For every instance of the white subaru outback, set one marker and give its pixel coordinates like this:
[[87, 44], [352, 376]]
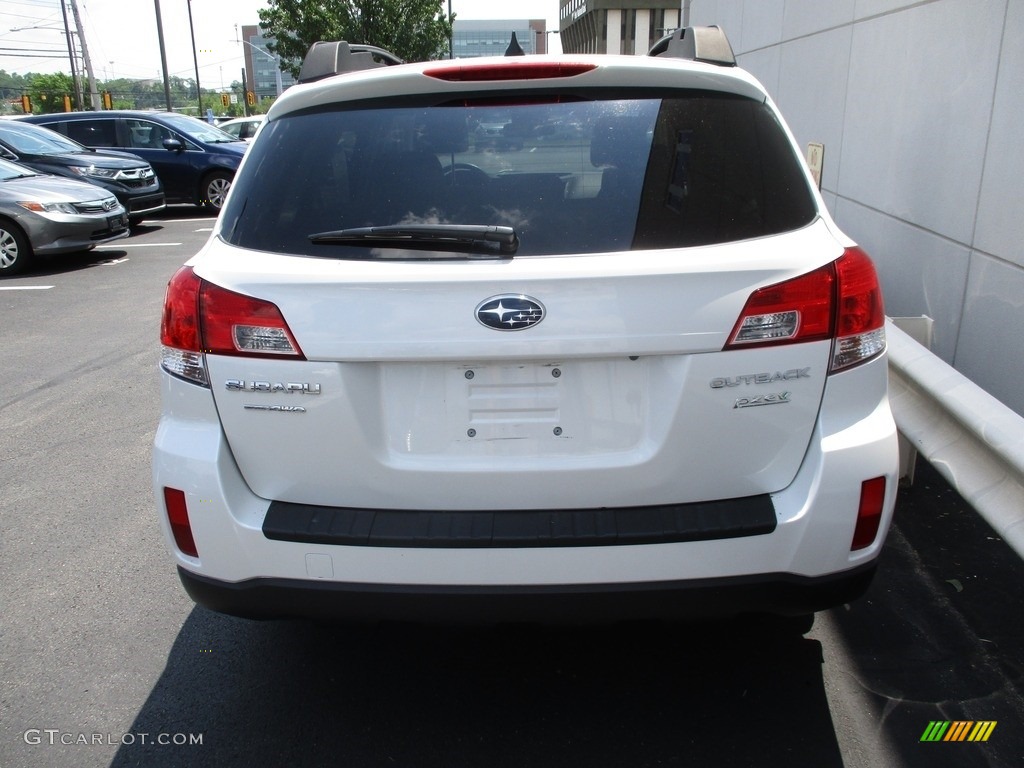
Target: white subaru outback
[[540, 338]]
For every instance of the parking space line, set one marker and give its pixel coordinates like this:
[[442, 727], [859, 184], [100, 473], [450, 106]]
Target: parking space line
[[25, 287], [133, 245]]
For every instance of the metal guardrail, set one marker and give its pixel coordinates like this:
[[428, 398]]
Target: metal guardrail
[[973, 440]]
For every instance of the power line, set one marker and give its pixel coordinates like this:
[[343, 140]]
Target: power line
[[34, 50]]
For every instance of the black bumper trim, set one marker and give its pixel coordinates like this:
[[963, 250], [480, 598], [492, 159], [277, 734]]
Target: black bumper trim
[[779, 594], [137, 210], [669, 523]]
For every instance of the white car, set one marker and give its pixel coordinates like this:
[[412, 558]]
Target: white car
[[627, 368], [243, 128]]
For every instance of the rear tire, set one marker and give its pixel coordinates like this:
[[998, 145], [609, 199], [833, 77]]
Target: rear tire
[[15, 251], [215, 189]]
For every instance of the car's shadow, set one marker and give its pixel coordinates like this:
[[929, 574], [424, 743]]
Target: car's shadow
[[146, 227], [282, 693], [43, 266], [69, 262], [178, 211]]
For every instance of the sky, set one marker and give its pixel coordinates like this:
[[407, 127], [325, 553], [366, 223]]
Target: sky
[[122, 39]]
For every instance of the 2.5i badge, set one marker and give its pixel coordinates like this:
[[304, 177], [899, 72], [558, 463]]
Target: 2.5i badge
[[776, 398]]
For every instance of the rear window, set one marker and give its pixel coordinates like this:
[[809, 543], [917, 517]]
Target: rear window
[[92, 133], [579, 176]]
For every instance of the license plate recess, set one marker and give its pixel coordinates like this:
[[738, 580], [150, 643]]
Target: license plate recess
[[508, 401]]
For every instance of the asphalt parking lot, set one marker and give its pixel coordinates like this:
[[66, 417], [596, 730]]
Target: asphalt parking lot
[[98, 640]]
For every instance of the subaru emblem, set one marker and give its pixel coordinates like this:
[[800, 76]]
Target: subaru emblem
[[509, 312]]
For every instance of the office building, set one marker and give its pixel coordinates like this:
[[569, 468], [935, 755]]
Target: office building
[[263, 76], [490, 38], [615, 26]]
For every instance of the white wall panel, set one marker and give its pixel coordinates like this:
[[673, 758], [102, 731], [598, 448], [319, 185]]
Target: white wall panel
[[727, 14], [991, 344], [805, 17], [1000, 227], [813, 98], [918, 106], [762, 24], [868, 8]]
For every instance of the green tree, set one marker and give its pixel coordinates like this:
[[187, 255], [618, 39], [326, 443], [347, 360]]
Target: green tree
[[48, 92], [415, 30]]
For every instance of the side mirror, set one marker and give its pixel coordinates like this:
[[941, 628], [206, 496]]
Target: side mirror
[[173, 145]]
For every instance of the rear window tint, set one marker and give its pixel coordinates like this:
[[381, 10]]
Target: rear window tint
[[571, 177], [92, 133]]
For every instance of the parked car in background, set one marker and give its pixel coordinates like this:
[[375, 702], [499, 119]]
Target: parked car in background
[[626, 366], [130, 179], [43, 215], [243, 127], [195, 161]]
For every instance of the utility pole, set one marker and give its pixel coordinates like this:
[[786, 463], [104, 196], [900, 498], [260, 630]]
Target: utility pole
[[94, 96], [71, 56], [245, 94], [163, 55], [195, 59]]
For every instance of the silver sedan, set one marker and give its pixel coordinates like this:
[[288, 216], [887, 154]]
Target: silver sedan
[[49, 215]]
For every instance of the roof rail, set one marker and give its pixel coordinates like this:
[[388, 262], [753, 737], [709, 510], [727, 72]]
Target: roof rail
[[706, 44], [324, 59]]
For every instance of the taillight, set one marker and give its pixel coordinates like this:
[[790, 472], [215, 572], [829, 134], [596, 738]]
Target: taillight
[[840, 301], [869, 513], [860, 321], [796, 310], [234, 324], [201, 317], [523, 70], [181, 352], [177, 516]]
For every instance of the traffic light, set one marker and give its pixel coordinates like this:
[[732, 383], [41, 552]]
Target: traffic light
[[225, 100], [250, 98], [108, 100], [67, 103], [26, 104]]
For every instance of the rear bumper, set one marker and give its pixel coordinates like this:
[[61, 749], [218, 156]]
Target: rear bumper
[[779, 594], [331, 562]]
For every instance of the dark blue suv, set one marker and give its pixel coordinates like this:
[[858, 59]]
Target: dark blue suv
[[195, 161]]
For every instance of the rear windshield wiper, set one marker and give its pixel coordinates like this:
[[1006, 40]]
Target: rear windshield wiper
[[500, 242]]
